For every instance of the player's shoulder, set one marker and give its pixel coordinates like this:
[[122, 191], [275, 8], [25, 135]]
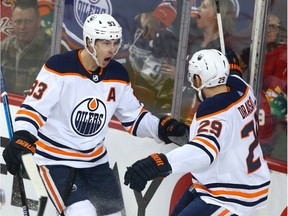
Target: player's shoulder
[[220, 103], [214, 105], [236, 83], [115, 71], [63, 63]]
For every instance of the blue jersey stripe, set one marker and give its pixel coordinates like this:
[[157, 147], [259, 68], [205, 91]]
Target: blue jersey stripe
[[204, 149], [212, 138]]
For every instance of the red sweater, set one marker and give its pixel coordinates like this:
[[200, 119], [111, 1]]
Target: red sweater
[[275, 69]]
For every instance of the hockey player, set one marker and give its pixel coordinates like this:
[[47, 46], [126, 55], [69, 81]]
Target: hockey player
[[64, 121], [223, 154]]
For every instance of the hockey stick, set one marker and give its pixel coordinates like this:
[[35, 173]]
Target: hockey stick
[[220, 27], [10, 131], [28, 162], [180, 140], [36, 180]]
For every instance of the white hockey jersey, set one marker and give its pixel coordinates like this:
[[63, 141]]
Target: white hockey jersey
[[224, 155], [69, 108]]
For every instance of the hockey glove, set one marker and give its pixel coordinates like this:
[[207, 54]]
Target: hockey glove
[[169, 127], [155, 165], [233, 62], [22, 143]]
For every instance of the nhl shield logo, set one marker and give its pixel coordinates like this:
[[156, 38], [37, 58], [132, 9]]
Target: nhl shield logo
[[84, 8], [95, 78], [89, 117]]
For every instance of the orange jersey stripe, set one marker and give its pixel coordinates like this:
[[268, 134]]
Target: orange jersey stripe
[[208, 144], [32, 115], [119, 81], [79, 56], [57, 202], [84, 77], [70, 43], [232, 193], [73, 154], [64, 74], [131, 128], [223, 213]]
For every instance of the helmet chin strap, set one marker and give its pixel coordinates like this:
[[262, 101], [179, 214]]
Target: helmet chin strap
[[93, 55], [199, 91], [200, 96]]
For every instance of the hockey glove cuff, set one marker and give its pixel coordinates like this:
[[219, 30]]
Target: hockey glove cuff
[[22, 143], [233, 62], [171, 127], [155, 165]]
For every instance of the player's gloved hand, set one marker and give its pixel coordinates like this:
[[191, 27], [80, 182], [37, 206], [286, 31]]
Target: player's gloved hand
[[155, 165], [233, 62], [171, 127], [22, 143]]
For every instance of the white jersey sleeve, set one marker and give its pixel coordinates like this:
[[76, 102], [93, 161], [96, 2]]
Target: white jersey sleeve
[[135, 118], [39, 102], [223, 154]]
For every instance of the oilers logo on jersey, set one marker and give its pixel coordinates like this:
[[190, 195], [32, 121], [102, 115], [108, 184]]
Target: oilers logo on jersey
[[89, 116], [84, 8]]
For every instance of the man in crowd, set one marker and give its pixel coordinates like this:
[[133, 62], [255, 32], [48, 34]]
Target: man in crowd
[[24, 53]]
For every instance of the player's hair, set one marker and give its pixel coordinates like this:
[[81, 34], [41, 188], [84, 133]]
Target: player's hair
[[228, 15], [24, 4]]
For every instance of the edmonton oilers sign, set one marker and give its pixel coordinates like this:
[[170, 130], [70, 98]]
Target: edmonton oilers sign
[[84, 8]]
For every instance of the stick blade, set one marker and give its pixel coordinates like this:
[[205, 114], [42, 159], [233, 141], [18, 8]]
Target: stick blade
[[180, 140], [36, 180]]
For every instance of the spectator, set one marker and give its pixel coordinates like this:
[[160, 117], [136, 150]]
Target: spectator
[[273, 96], [273, 107], [153, 64], [24, 53], [275, 68], [153, 56], [161, 18], [156, 62], [204, 33]]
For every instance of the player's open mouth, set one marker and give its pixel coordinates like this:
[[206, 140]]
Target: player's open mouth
[[107, 59]]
